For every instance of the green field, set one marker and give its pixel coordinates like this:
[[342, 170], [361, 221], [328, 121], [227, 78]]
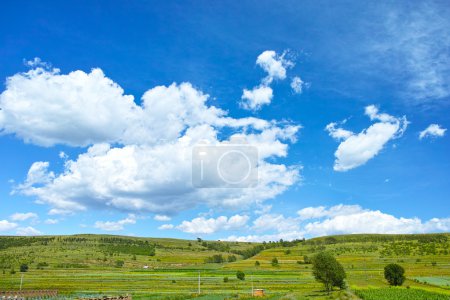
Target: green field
[[112, 265]]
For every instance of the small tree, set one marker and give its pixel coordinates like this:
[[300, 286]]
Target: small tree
[[274, 262], [232, 258], [257, 264], [306, 259], [23, 268], [394, 274], [240, 275], [329, 271], [225, 279], [119, 263]]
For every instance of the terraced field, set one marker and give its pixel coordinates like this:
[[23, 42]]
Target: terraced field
[[170, 268]]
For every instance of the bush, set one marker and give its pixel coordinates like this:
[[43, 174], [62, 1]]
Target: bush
[[119, 263], [394, 274], [306, 259], [232, 258], [240, 275], [329, 271], [23, 268], [257, 264], [215, 259], [225, 279], [41, 265], [274, 262]]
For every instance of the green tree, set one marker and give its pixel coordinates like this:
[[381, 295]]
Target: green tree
[[232, 258], [274, 262], [306, 259], [257, 264], [119, 263], [23, 268], [225, 279], [328, 270], [240, 275], [394, 274]]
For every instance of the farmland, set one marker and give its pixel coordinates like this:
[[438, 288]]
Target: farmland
[[152, 268]]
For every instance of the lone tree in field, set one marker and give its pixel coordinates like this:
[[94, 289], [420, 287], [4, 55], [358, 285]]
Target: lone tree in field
[[329, 271], [240, 275], [23, 268], [394, 274], [274, 262]]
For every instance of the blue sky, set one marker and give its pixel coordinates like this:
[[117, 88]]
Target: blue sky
[[346, 102]]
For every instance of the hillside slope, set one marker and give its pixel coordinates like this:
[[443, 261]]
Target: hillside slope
[[91, 264]]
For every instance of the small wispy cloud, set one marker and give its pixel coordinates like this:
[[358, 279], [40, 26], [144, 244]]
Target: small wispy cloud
[[434, 130]]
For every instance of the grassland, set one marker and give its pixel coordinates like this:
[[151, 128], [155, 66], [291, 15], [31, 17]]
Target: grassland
[[100, 264]]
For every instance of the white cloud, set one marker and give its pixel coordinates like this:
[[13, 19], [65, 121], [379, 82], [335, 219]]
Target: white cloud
[[166, 227], [51, 221], [161, 218], [27, 231], [309, 213], [156, 176], [23, 216], [434, 130], [373, 222], [338, 133], [338, 219], [115, 225], [297, 85], [415, 43], [356, 149], [149, 167], [6, 225], [278, 223], [202, 225], [275, 65], [45, 107], [257, 97]]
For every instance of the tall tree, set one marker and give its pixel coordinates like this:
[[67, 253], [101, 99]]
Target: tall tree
[[394, 274], [329, 271]]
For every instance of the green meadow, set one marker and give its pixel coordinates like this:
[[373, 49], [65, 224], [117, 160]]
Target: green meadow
[[150, 268]]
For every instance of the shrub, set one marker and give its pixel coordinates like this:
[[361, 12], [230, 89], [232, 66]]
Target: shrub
[[287, 252], [216, 259], [225, 279], [240, 275], [394, 274], [232, 258], [119, 263], [257, 264], [274, 262], [23, 268], [306, 259]]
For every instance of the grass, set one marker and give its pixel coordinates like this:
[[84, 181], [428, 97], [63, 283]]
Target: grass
[[87, 265]]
